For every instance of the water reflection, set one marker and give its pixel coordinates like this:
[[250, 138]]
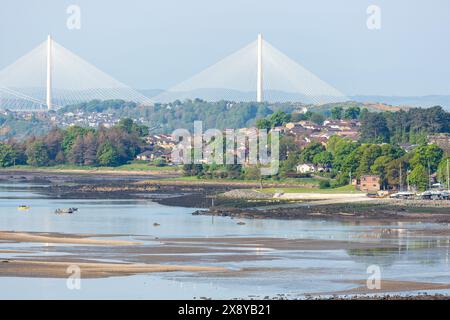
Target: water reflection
[[411, 251]]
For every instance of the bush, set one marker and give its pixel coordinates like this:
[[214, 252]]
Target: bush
[[159, 162], [324, 184]]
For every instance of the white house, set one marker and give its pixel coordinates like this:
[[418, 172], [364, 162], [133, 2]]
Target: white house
[[306, 168]]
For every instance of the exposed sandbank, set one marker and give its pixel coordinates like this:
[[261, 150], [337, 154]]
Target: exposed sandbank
[[59, 238]]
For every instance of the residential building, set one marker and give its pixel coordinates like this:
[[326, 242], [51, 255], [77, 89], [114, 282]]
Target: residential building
[[367, 183]]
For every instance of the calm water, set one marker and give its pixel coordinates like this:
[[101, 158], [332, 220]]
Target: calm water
[[416, 258]]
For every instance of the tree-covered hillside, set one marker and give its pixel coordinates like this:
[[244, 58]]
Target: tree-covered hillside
[[182, 114]]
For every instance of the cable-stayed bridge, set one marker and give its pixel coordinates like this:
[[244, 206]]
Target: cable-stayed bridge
[[50, 76], [257, 72]]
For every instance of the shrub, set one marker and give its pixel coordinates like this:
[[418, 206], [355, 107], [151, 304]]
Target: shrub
[[324, 184]]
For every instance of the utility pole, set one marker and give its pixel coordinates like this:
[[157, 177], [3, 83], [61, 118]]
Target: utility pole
[[429, 175], [407, 180], [448, 176]]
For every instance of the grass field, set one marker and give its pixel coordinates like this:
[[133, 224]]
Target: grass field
[[305, 184], [287, 185], [127, 167], [343, 189]]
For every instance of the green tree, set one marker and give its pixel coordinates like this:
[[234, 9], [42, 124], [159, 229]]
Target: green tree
[[70, 135], [368, 154], [427, 155], [108, 155], [342, 150], [379, 167], [287, 146], [442, 172], [279, 118], [324, 159], [263, 124], [419, 177], [37, 154], [352, 113], [313, 149], [317, 118], [7, 155], [126, 125], [374, 128], [289, 165], [337, 113]]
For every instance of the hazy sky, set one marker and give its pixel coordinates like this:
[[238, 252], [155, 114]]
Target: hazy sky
[[156, 44]]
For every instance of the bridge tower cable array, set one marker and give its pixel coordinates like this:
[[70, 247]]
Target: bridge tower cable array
[[257, 72], [50, 77]]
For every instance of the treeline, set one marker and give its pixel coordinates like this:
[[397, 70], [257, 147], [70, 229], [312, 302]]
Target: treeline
[[79, 146], [100, 106], [280, 117], [412, 126], [164, 118], [341, 160], [19, 128]]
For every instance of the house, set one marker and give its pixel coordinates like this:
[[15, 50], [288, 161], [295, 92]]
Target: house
[[292, 125], [306, 168], [310, 125], [163, 141], [350, 134], [367, 183], [145, 156], [152, 155]]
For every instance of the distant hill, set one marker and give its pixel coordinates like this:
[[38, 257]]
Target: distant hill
[[371, 106], [233, 95], [218, 94], [422, 101]]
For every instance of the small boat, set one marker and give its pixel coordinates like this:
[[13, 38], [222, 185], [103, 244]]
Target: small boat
[[240, 223], [23, 208], [156, 224], [64, 211]]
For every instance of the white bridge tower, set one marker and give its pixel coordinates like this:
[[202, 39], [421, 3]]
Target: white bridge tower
[[49, 72], [259, 82]]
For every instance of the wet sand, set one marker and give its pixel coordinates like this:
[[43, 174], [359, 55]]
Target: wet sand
[[50, 269], [9, 236], [149, 255], [264, 243], [199, 256]]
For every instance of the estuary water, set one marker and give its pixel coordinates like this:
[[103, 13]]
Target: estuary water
[[409, 255]]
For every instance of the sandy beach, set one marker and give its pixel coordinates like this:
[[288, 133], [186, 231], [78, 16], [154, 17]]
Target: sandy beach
[[59, 238]]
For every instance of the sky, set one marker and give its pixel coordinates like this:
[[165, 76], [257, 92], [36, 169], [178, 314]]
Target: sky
[[151, 44]]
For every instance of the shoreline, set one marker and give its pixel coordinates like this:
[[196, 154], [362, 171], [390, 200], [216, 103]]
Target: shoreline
[[234, 199]]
